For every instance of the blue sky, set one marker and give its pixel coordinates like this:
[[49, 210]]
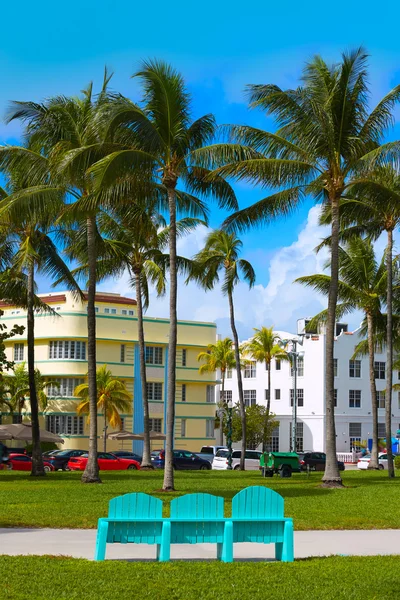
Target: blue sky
[[219, 47]]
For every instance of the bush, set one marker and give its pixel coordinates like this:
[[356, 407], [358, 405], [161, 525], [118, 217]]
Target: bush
[[45, 446], [397, 462]]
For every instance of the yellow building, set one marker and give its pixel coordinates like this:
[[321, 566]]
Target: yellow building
[[61, 353]]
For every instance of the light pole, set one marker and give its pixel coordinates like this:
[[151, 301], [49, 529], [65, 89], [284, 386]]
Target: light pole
[[229, 435], [294, 355]]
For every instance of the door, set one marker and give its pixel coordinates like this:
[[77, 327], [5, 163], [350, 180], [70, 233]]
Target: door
[[185, 460], [252, 459], [22, 463], [108, 462]]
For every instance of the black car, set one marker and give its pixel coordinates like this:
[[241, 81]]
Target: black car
[[315, 461], [60, 460], [127, 454], [182, 459]]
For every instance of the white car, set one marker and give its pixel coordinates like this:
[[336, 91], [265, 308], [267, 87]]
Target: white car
[[251, 460], [364, 461]]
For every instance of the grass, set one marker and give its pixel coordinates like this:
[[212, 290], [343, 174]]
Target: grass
[[350, 578], [60, 500]]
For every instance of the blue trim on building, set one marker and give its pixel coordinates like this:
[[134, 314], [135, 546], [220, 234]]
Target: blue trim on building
[[165, 390], [138, 420]]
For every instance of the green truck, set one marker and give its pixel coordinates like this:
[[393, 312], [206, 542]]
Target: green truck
[[283, 463]]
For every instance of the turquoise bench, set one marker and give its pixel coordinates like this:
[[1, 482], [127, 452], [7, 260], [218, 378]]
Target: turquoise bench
[[257, 516]]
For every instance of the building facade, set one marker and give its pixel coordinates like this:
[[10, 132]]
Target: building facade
[[352, 391], [61, 355]]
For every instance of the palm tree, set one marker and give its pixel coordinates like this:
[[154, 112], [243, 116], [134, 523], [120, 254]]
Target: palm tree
[[218, 356], [361, 286], [263, 347], [112, 399], [326, 138], [17, 389], [161, 148], [67, 134], [221, 253]]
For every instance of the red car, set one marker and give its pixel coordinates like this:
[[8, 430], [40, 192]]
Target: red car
[[22, 462], [106, 461]]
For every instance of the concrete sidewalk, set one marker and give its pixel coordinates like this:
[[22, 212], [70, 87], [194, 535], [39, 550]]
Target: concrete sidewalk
[[80, 543]]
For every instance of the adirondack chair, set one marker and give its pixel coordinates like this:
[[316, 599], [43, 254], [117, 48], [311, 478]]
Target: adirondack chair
[[197, 519], [134, 518], [258, 516]]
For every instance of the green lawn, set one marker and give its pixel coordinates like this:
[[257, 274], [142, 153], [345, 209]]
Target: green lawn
[[351, 578], [370, 500]]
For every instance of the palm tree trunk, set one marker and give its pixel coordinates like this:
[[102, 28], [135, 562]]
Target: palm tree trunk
[[331, 476], [389, 353], [168, 484], [146, 459], [373, 463], [37, 458], [239, 378], [105, 431], [222, 405], [91, 472]]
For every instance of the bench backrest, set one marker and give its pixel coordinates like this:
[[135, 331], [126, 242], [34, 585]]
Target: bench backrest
[[197, 507], [257, 502], [131, 506]]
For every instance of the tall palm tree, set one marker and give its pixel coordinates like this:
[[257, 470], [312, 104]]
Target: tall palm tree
[[66, 133], [219, 356], [112, 399], [371, 207], [17, 388], [162, 149], [221, 254], [326, 138], [362, 286]]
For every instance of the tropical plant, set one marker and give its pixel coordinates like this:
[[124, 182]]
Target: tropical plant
[[112, 399], [16, 387], [259, 425], [219, 356], [161, 148], [221, 254], [326, 139], [362, 286]]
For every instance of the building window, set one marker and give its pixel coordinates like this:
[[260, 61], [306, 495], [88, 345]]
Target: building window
[[355, 398], [228, 396], [229, 373], [250, 397], [335, 398], [183, 392], [380, 370], [124, 311], [209, 428], [277, 364], [299, 437], [154, 390], [277, 394], [65, 388], [154, 355], [267, 394], [210, 394], [16, 419], [122, 355], [300, 397], [380, 399], [96, 309], [155, 425], [67, 424], [300, 368], [67, 350], [18, 352], [355, 436], [335, 367], [272, 444], [184, 357], [131, 313], [381, 430], [398, 400], [355, 368], [107, 311], [250, 370], [183, 427], [113, 311]]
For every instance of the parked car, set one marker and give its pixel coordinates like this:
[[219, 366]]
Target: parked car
[[60, 459], [127, 454], [251, 460], [22, 462], [208, 452], [106, 462], [183, 460], [315, 461], [51, 452], [363, 462]]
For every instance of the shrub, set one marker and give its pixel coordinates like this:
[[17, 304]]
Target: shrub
[[397, 462]]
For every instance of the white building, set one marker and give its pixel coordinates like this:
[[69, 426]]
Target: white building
[[353, 398]]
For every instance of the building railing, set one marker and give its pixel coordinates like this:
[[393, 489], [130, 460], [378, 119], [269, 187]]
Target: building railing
[[347, 457]]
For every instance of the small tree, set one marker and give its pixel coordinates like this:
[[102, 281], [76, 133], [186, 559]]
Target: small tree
[[260, 425]]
